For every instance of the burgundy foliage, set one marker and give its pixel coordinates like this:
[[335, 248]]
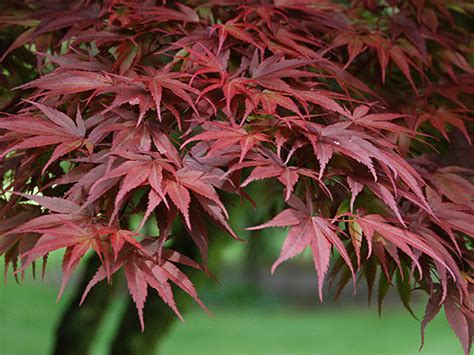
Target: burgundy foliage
[[169, 108]]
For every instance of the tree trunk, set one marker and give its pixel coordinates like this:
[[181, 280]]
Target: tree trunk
[[129, 340], [79, 325], [158, 320], [252, 260]]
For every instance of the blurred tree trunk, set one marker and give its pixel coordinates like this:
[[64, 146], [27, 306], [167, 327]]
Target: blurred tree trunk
[[257, 248], [78, 326], [159, 318], [252, 261], [129, 340]]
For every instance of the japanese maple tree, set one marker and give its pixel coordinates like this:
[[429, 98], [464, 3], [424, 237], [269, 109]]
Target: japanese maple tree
[[168, 108]]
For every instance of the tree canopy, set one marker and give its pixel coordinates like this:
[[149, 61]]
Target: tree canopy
[[355, 109]]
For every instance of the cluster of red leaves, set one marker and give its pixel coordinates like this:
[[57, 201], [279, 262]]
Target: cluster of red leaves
[[166, 108]]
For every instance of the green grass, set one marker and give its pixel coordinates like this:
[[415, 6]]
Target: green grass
[[28, 316], [344, 331]]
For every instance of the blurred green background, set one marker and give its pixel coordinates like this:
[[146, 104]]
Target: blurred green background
[[280, 316]]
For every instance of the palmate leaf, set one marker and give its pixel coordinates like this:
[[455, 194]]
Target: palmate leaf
[[238, 31], [377, 122], [458, 316], [273, 166], [440, 118], [167, 185], [182, 14], [69, 82], [226, 136], [286, 175], [141, 271], [61, 132], [307, 230], [453, 186], [77, 240], [460, 322], [376, 226], [170, 82]]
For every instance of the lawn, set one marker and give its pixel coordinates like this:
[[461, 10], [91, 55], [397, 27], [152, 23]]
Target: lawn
[[28, 314]]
